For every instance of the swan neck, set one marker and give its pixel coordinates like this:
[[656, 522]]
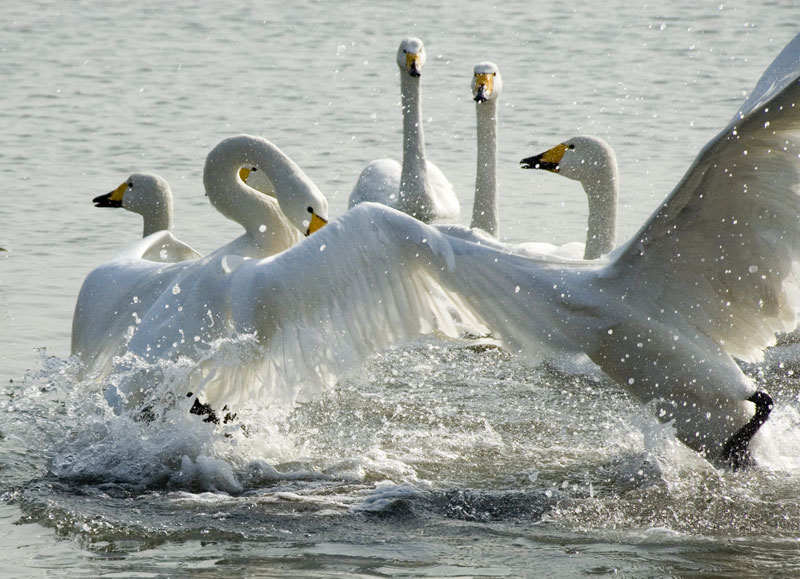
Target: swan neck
[[265, 224], [158, 218], [484, 206], [414, 195], [601, 191]]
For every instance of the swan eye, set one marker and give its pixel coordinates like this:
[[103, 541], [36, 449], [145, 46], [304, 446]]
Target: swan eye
[[253, 169], [572, 146], [130, 184], [311, 210]]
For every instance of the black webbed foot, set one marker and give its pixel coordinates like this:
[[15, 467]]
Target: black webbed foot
[[202, 409], [736, 453]]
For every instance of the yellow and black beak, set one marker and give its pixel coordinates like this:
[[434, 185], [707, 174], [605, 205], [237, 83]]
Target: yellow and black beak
[[244, 173], [113, 199], [413, 64], [484, 85], [315, 224], [550, 160]]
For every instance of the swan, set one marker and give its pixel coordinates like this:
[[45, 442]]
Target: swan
[[151, 197], [98, 323], [710, 278], [487, 84], [116, 296], [272, 223], [418, 187], [592, 162]]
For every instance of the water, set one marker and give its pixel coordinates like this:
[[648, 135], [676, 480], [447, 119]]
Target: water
[[434, 459]]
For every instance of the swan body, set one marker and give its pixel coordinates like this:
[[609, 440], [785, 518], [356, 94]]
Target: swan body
[[114, 296], [417, 187], [117, 297], [357, 285], [592, 162], [487, 85]]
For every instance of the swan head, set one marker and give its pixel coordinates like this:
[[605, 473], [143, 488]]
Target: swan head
[[314, 202], [411, 56], [580, 158], [487, 84], [307, 208], [141, 193], [146, 194]]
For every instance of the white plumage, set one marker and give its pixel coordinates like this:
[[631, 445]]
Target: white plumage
[[590, 161], [709, 278], [116, 297], [417, 187]]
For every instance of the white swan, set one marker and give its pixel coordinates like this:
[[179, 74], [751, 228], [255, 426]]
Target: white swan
[[116, 296], [592, 162], [487, 84], [710, 277], [99, 323], [417, 187], [272, 224], [150, 196]]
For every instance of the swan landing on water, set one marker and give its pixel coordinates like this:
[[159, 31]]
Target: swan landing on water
[[711, 277]]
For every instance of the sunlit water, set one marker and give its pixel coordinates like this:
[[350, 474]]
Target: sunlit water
[[435, 459]]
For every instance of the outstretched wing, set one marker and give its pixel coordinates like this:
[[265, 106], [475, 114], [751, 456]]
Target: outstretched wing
[[721, 253], [362, 283]]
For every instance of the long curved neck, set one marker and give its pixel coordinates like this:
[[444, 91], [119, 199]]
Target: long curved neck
[[267, 228], [157, 217], [414, 195], [484, 206], [602, 192]]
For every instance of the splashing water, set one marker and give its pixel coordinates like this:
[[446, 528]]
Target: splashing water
[[439, 434]]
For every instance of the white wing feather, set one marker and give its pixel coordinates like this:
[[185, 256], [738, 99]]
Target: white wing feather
[[722, 251], [116, 295], [362, 283]]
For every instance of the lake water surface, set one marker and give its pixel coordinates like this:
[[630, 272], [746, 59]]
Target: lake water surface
[[434, 460]]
